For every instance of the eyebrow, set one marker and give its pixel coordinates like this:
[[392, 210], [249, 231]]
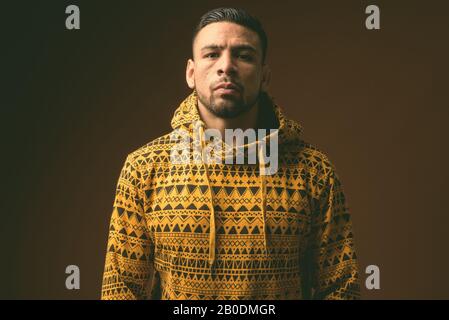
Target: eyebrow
[[234, 48]]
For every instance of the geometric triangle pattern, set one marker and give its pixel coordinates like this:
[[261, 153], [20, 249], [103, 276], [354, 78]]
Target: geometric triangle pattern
[[159, 237]]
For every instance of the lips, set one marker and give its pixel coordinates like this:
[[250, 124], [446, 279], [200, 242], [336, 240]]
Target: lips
[[227, 87]]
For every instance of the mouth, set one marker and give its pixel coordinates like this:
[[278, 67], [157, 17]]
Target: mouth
[[228, 88]]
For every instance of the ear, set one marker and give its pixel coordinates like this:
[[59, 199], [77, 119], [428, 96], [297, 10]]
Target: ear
[[190, 74], [266, 76]]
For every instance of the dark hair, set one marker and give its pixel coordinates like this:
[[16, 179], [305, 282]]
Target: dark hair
[[238, 16]]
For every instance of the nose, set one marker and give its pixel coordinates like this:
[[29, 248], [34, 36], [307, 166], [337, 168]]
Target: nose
[[226, 65]]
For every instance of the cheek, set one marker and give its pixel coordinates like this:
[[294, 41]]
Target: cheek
[[202, 77], [253, 82]]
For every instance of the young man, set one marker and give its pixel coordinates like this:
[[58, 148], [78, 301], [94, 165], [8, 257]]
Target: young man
[[186, 228]]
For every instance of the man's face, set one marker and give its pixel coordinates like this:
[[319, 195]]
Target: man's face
[[227, 69]]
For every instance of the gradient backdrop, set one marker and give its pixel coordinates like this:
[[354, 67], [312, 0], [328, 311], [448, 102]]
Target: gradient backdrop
[[75, 103]]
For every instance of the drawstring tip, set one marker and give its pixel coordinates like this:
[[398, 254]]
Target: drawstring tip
[[211, 259], [211, 263]]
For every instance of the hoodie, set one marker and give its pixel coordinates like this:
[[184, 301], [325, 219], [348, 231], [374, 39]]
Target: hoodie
[[186, 227]]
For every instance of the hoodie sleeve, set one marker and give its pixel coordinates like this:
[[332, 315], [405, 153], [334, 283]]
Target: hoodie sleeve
[[334, 268], [128, 266]]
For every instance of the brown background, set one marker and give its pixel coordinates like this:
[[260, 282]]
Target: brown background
[[77, 102]]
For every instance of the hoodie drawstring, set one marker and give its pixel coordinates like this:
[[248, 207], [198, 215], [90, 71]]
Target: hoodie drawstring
[[212, 229], [263, 197]]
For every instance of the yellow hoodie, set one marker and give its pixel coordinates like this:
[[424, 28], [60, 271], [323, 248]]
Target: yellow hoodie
[[200, 230]]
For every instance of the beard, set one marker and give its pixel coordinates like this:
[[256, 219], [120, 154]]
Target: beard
[[226, 106]]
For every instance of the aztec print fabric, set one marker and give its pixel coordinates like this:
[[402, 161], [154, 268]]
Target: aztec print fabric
[[225, 231]]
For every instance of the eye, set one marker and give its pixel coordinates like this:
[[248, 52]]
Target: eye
[[246, 57], [211, 55]]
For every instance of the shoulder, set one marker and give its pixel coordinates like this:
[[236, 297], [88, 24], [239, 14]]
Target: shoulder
[[310, 158], [317, 158], [320, 170], [153, 152]]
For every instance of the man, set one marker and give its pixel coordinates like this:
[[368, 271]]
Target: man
[[196, 229]]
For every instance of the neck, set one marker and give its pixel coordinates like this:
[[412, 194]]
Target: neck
[[244, 121], [258, 117]]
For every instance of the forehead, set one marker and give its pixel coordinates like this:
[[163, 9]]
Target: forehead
[[224, 33]]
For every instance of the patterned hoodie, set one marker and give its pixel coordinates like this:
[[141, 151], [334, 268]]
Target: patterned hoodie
[[186, 228]]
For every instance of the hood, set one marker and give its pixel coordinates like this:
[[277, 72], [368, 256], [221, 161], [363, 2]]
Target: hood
[[187, 118]]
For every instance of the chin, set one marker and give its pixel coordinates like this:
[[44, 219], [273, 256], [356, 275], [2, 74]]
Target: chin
[[228, 100], [228, 105]]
